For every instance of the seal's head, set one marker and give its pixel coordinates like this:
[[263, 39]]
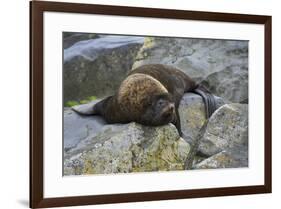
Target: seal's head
[[160, 111]]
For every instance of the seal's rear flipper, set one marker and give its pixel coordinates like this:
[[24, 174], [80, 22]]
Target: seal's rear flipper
[[86, 109], [208, 98]]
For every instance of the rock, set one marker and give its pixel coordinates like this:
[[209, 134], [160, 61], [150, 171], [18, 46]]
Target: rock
[[128, 148], [192, 114], [226, 138], [226, 128], [235, 158], [70, 38], [203, 60], [78, 127], [230, 83], [96, 67]]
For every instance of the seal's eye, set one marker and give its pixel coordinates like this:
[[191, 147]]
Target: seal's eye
[[161, 103], [149, 104]]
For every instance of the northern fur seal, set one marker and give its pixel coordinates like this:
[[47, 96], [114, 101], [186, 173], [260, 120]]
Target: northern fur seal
[[150, 95]]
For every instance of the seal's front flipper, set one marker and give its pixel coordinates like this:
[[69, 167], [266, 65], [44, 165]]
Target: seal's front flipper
[[86, 109]]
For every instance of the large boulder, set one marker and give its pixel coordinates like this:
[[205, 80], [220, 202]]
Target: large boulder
[[226, 128], [230, 83], [96, 67], [221, 64], [128, 148], [225, 140]]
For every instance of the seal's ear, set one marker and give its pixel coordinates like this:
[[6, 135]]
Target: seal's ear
[[85, 109]]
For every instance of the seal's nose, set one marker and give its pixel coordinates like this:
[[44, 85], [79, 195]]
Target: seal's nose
[[169, 111], [171, 107]]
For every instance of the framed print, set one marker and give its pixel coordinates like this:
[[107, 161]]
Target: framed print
[[138, 104]]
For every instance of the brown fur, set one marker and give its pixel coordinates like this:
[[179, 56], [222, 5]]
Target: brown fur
[[133, 97], [150, 95], [174, 80]]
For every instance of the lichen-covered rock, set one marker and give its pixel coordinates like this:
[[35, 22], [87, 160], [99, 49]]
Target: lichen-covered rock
[[128, 148], [232, 158], [203, 60], [226, 138], [96, 67], [227, 128], [192, 114]]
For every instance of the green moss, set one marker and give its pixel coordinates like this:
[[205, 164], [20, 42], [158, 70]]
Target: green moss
[[92, 98], [84, 101], [89, 99], [71, 103]]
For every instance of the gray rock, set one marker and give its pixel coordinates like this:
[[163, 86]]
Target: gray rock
[[201, 58], [78, 127], [70, 38], [96, 67], [128, 148], [226, 128], [192, 114], [235, 158], [226, 137], [230, 83]]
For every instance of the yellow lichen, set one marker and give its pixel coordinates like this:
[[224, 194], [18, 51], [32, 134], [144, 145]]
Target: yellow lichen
[[88, 168], [149, 42]]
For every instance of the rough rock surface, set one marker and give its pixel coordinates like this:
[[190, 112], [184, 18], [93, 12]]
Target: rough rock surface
[[78, 127], [226, 128], [225, 141], [70, 38], [91, 146], [221, 64], [225, 159], [96, 67], [192, 114], [230, 83], [128, 148]]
